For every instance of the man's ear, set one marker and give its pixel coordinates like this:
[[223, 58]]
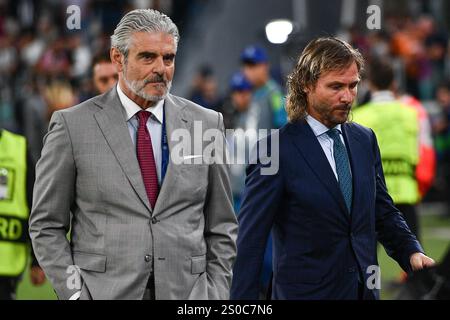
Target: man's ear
[[117, 59], [307, 89], [310, 88]]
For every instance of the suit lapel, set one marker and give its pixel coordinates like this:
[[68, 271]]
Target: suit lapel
[[176, 117], [112, 122], [306, 142], [356, 155]]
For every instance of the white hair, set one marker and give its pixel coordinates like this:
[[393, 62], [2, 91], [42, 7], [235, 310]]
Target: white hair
[[147, 20]]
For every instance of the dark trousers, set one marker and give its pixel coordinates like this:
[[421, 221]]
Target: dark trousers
[[8, 287], [409, 212]]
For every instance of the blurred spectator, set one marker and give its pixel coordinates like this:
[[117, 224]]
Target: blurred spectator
[[267, 95], [356, 38], [241, 113], [235, 111], [236, 105], [55, 60], [8, 64], [31, 48], [379, 44], [16, 186], [267, 112], [39, 108], [407, 46], [164, 6], [80, 56], [426, 166], [104, 74], [8, 56], [58, 95], [34, 118], [204, 91], [397, 128], [441, 126], [109, 13], [435, 42], [441, 130], [422, 46]]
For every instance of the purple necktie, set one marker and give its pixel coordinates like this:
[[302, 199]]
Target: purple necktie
[[146, 158]]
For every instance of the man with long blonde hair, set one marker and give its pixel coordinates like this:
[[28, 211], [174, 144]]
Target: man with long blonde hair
[[327, 205]]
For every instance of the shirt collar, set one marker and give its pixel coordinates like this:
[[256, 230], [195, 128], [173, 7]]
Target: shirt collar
[[382, 96], [132, 107], [318, 127]]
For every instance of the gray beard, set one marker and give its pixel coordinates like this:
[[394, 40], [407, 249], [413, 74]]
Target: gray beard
[[137, 87]]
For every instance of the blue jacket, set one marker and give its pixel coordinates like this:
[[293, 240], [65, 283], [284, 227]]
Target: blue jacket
[[321, 251]]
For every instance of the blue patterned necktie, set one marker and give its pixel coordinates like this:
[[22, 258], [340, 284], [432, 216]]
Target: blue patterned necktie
[[342, 167]]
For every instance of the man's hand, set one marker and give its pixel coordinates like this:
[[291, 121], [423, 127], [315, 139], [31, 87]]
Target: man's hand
[[419, 261], [37, 276]]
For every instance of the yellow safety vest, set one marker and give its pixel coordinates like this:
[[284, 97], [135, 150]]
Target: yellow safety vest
[[13, 205], [397, 130]]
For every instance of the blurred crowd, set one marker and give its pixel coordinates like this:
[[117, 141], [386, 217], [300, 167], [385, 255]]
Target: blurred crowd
[[418, 50], [44, 67]]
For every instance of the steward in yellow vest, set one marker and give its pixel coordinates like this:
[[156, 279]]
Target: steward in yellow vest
[[397, 129], [396, 126], [14, 211]]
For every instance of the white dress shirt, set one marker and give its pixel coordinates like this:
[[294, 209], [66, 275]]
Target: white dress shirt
[[154, 125], [320, 130]]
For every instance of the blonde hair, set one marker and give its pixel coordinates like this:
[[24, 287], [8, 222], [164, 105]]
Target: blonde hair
[[58, 95], [320, 56]]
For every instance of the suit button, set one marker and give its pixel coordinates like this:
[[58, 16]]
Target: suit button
[[154, 220], [148, 258], [351, 235], [351, 270]]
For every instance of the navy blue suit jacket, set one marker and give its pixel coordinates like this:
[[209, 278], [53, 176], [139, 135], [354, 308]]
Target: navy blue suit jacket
[[321, 251]]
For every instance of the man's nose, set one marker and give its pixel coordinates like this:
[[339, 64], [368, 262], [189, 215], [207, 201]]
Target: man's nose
[[347, 96], [158, 66]]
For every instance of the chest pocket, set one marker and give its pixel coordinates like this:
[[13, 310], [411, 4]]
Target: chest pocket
[[192, 180]]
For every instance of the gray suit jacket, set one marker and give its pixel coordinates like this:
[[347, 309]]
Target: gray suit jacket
[[88, 180]]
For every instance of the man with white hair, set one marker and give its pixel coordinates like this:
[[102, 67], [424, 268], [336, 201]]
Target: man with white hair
[[143, 226]]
